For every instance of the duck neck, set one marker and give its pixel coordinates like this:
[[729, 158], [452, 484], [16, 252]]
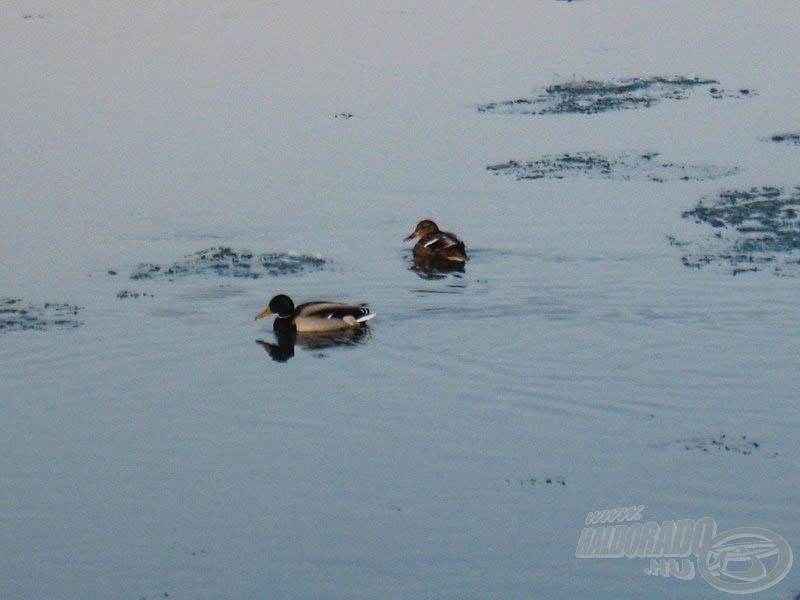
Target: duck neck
[[283, 323]]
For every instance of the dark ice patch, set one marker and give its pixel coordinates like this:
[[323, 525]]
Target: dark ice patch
[[225, 262], [589, 96], [627, 167], [16, 315], [752, 229]]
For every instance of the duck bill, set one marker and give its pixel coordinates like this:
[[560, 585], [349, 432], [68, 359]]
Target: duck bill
[[411, 236], [263, 313]]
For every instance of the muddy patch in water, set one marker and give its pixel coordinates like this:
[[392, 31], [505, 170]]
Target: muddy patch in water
[[589, 96], [17, 315], [226, 262], [647, 166], [785, 138], [751, 230]]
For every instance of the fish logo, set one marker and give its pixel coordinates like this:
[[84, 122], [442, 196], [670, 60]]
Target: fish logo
[[745, 560]]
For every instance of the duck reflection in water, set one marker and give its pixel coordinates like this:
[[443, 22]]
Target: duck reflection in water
[[283, 348], [431, 268]]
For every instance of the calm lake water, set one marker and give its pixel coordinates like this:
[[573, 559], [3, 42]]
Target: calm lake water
[[151, 447]]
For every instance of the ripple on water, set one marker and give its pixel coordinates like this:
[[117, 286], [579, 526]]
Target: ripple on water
[[212, 293]]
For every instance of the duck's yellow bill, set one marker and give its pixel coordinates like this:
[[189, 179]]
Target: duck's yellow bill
[[263, 313]]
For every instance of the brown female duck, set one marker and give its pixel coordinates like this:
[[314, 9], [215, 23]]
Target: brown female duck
[[437, 245]]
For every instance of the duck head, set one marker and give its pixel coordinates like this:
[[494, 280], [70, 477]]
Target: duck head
[[423, 228], [280, 305]]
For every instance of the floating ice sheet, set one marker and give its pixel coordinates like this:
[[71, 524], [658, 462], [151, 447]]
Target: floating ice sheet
[[589, 96], [646, 166], [226, 262], [752, 229], [17, 315]]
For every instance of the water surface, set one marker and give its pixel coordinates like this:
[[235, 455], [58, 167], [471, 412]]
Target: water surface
[[156, 448]]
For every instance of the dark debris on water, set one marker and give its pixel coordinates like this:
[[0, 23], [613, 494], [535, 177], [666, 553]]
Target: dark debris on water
[[737, 444], [590, 96], [751, 229], [123, 294], [17, 315], [645, 166], [226, 262], [786, 138], [556, 481]]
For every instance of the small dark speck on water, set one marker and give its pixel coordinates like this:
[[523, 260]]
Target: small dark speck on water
[[533, 481]]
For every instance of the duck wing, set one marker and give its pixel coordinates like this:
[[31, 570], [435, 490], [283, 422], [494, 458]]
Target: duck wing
[[444, 244], [329, 316], [437, 242], [331, 310]]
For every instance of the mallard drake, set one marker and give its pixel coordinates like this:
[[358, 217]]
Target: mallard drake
[[434, 244], [314, 316]]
